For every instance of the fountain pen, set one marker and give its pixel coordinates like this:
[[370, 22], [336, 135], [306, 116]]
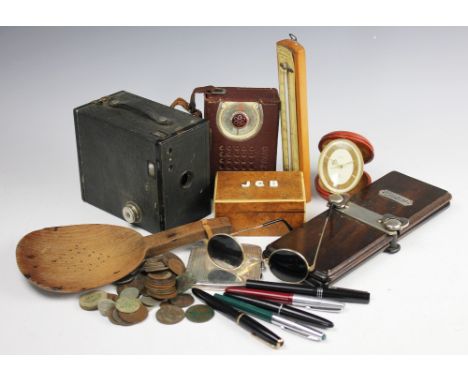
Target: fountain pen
[[242, 319], [340, 294], [269, 316], [280, 309], [288, 298]]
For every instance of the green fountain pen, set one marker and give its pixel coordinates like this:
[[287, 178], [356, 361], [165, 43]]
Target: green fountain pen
[[266, 315]]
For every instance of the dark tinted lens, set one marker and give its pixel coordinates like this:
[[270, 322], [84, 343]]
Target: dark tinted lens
[[225, 251], [288, 266]]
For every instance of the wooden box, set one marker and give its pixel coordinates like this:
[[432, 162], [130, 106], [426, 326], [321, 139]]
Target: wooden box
[[250, 198]]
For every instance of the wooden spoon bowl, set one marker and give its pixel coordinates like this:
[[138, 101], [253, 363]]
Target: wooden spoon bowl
[[75, 258]]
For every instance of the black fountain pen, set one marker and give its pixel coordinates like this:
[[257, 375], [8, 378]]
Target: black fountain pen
[[240, 318], [341, 294]]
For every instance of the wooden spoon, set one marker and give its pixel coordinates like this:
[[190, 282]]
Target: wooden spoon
[[75, 258]]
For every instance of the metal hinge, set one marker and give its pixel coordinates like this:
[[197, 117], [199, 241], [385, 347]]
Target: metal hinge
[[387, 223]]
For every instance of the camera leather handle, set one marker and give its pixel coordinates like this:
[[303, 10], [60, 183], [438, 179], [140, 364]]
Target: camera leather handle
[[191, 106], [140, 110]]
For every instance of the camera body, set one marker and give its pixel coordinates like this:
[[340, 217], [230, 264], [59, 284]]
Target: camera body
[[143, 161]]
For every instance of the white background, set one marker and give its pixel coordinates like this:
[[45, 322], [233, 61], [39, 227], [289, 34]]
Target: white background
[[403, 88]]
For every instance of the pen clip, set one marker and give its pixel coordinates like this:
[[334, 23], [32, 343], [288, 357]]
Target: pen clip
[[321, 309]]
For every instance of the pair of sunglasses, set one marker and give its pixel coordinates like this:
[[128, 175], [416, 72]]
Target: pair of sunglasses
[[228, 254]]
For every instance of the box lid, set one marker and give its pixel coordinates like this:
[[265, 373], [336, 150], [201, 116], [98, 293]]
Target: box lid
[[260, 190]]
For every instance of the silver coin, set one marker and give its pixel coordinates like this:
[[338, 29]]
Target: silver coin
[[130, 277], [149, 301], [130, 292], [105, 306]]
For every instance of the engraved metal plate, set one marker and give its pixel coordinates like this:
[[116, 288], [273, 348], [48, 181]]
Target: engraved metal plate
[[207, 274], [404, 201], [239, 121]]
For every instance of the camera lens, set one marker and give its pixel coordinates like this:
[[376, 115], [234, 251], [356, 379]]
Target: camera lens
[[288, 265], [225, 251]]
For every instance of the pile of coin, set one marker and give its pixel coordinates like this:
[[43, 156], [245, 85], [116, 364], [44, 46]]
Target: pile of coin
[[124, 309], [161, 285], [161, 272], [155, 283]]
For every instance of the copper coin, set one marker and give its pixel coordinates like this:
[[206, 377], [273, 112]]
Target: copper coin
[[155, 266], [162, 293], [164, 296], [155, 269], [164, 303], [168, 255], [153, 258], [112, 296], [182, 300], [165, 275], [164, 288], [176, 265], [199, 313], [110, 316], [156, 289], [166, 284], [151, 291], [135, 317], [170, 314], [115, 319]]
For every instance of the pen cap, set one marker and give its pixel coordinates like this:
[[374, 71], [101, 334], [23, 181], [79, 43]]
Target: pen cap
[[348, 295]]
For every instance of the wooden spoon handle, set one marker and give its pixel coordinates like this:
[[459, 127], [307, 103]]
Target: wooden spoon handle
[[185, 234]]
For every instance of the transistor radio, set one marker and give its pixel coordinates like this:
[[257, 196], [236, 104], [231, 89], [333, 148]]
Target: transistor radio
[[244, 127]]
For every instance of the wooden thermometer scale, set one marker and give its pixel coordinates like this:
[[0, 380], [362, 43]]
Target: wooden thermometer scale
[[293, 96]]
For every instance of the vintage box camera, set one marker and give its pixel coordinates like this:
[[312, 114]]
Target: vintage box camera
[[244, 127], [143, 161]]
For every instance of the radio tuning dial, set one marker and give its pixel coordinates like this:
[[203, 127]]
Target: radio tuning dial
[[239, 120]]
